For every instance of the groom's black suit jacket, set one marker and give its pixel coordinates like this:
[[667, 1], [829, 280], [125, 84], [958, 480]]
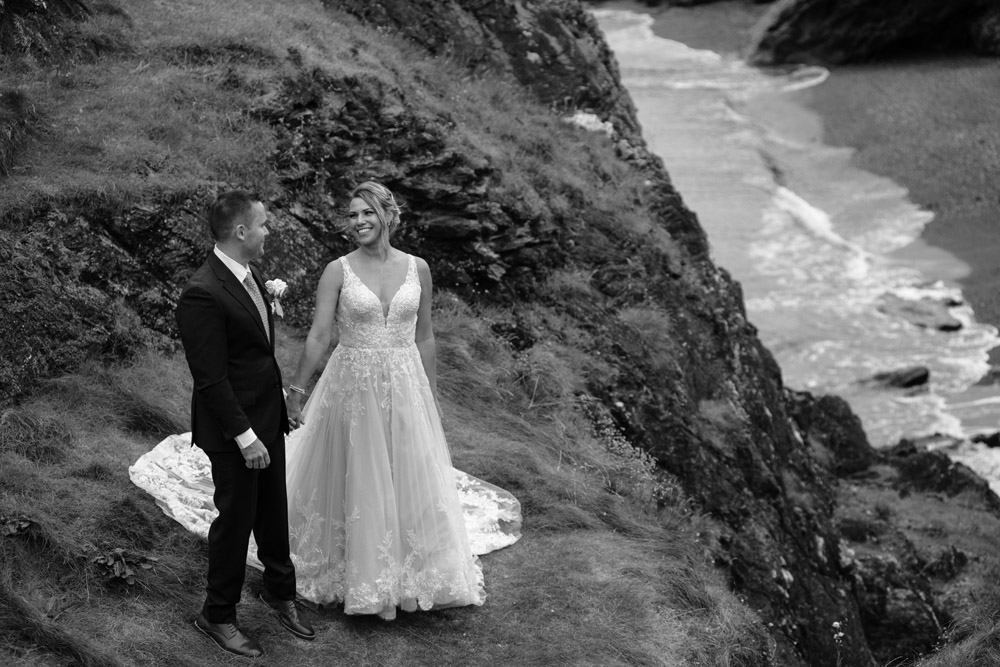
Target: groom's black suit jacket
[[237, 385], [237, 382]]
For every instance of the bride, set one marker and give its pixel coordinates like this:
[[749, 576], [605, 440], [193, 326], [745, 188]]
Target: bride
[[378, 517]]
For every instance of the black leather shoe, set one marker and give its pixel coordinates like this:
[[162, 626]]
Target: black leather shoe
[[288, 614], [229, 638]]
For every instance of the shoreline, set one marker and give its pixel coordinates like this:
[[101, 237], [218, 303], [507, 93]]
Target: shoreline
[[928, 124], [723, 26]]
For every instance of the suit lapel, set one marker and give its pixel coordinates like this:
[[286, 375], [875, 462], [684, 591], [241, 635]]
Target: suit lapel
[[236, 290]]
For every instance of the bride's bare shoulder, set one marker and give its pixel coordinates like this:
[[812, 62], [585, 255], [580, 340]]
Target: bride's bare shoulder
[[334, 272]]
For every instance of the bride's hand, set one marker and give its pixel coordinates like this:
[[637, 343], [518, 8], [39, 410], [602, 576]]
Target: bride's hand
[[294, 405]]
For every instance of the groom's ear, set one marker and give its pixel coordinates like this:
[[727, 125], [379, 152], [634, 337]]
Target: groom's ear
[[240, 231]]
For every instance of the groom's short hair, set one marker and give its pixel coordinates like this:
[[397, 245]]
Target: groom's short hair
[[228, 209]]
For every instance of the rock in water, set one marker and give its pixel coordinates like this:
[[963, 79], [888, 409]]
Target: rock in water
[[927, 312], [904, 378], [991, 440]]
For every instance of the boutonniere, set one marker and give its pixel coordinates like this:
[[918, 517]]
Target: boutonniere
[[276, 289]]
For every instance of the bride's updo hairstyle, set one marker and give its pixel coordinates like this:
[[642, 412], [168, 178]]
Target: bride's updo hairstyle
[[382, 201]]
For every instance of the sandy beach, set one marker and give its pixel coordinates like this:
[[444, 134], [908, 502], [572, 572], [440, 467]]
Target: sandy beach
[[723, 27], [928, 124], [931, 126]]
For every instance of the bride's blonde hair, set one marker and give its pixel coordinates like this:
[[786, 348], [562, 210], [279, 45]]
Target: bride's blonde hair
[[382, 201]]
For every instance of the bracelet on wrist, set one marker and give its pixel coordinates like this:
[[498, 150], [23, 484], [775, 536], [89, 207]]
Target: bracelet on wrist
[[297, 390]]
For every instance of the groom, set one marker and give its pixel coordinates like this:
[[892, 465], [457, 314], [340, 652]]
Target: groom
[[238, 417]]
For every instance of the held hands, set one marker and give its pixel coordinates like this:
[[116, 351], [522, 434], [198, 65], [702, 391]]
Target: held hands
[[256, 455], [294, 405]]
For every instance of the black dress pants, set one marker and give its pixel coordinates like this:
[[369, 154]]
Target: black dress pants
[[248, 501]]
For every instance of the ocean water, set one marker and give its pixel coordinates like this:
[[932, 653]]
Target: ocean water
[[816, 243]]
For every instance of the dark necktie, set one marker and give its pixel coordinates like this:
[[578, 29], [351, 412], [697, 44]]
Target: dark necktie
[[251, 286]]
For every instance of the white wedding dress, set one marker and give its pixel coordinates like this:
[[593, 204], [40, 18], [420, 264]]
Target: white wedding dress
[[378, 517]]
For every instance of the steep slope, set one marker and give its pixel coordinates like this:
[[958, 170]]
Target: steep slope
[[571, 246]]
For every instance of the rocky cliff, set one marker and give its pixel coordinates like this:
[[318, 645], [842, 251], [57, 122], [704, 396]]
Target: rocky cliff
[[574, 243], [839, 31]]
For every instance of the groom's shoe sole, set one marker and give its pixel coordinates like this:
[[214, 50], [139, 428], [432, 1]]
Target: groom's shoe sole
[[252, 651]]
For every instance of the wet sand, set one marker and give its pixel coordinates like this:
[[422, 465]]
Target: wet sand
[[931, 125]]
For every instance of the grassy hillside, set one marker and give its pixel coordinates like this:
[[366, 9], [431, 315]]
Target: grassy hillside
[[602, 576], [152, 107]]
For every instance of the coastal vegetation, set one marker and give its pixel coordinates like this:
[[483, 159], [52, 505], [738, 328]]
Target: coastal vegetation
[[681, 506]]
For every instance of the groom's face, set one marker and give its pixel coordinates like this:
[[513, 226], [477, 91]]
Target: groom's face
[[254, 231]]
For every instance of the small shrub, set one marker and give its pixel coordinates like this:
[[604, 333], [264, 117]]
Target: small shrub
[[544, 378], [119, 565], [656, 331], [723, 415], [632, 472], [16, 117], [16, 526]]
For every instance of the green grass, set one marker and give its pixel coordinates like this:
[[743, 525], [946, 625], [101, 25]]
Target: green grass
[[602, 576], [150, 115]]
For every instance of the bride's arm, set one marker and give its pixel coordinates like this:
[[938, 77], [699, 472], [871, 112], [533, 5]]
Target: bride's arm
[[425, 329], [320, 334]]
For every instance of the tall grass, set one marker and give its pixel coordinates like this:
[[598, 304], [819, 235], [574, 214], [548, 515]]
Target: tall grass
[[601, 576], [974, 637]]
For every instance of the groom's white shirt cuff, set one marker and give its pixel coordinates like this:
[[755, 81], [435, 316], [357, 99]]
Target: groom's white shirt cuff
[[246, 438]]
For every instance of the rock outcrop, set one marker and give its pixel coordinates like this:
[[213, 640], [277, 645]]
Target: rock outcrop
[[840, 31], [832, 431], [928, 313], [903, 378], [986, 32], [931, 470], [552, 48], [913, 559]]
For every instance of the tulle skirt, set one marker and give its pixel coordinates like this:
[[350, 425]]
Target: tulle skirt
[[375, 519]]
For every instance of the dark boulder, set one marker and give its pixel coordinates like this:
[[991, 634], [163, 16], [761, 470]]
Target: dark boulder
[[828, 424], [931, 470], [989, 439], [928, 313], [904, 378], [986, 33], [840, 31]]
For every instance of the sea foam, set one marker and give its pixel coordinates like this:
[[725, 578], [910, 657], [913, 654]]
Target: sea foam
[[816, 242]]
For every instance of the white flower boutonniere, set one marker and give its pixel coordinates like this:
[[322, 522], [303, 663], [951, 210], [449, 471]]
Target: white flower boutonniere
[[276, 289]]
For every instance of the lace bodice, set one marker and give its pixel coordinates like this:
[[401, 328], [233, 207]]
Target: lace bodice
[[361, 317]]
